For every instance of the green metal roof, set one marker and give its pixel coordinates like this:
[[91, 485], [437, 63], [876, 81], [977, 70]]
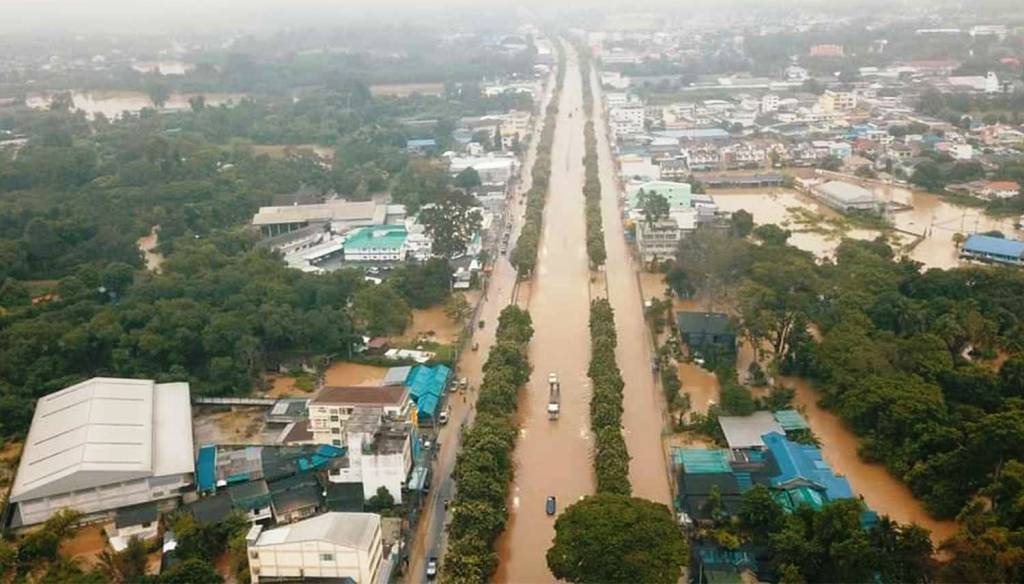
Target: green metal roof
[[791, 420], [678, 195], [791, 499], [702, 460], [376, 236]]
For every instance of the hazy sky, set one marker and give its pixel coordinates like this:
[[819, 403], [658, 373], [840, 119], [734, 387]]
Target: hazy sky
[[65, 16]]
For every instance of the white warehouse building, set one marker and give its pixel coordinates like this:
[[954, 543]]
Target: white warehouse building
[[104, 444], [336, 547]]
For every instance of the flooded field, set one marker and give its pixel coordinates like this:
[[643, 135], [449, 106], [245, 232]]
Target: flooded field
[[930, 217], [406, 89], [554, 457], [283, 150], [645, 413], [432, 324], [113, 103], [147, 245], [343, 373], [882, 492]]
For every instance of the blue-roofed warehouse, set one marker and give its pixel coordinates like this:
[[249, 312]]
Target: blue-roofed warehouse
[[426, 387], [993, 249]]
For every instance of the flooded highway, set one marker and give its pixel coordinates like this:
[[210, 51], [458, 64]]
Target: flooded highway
[[644, 409], [554, 457], [429, 539]]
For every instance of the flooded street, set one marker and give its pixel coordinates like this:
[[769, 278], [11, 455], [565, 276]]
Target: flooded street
[[113, 103], [643, 416], [883, 492], [554, 457], [429, 537]]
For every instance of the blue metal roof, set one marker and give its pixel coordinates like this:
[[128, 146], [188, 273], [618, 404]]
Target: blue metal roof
[[424, 380], [800, 462], [206, 469], [421, 143], [989, 245]]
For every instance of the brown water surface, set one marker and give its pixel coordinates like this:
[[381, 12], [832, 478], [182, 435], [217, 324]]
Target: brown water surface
[[882, 492], [554, 457]]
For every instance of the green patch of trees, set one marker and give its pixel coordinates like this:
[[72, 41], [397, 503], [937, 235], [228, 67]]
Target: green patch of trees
[[616, 538], [484, 467], [903, 356], [524, 254], [591, 178], [611, 459]]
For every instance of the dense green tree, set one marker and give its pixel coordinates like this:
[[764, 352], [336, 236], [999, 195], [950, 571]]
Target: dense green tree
[[742, 223], [452, 221], [381, 311], [615, 538], [468, 178]]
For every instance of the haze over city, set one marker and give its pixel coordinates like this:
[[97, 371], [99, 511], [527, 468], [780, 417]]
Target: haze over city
[[518, 292]]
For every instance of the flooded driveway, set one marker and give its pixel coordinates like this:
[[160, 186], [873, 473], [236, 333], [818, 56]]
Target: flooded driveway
[[644, 409], [882, 492], [554, 457]]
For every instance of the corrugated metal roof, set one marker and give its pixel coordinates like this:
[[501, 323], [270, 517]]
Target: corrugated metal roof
[[104, 431], [746, 431], [986, 244], [376, 236], [702, 461], [791, 420], [351, 530], [798, 462]]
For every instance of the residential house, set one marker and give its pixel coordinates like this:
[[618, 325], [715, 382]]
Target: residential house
[[343, 547], [333, 406], [626, 120], [104, 444], [673, 169], [140, 521], [659, 240], [707, 332]]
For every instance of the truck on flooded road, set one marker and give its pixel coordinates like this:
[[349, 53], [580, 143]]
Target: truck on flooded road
[[554, 396]]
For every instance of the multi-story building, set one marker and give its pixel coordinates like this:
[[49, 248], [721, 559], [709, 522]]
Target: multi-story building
[[377, 243], [331, 409], [341, 547], [769, 103], [104, 444], [832, 101], [626, 120], [659, 240]]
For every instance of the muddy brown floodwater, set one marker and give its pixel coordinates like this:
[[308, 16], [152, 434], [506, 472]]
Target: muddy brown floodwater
[[882, 492], [554, 457], [147, 245], [644, 410], [929, 216]]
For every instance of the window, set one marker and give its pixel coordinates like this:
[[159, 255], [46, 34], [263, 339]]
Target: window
[[336, 442], [326, 557], [335, 430], [334, 418]]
